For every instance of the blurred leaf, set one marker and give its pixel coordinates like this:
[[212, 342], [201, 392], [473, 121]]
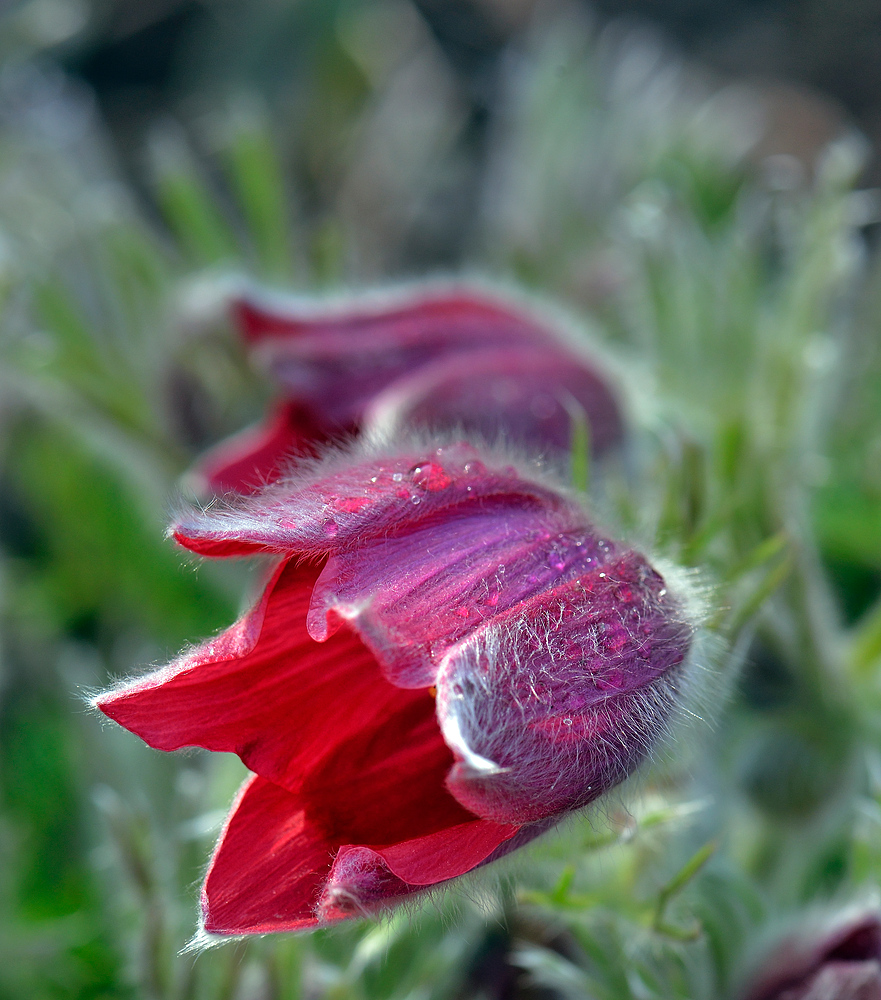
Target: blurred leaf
[[256, 175], [101, 557], [190, 206], [674, 887]]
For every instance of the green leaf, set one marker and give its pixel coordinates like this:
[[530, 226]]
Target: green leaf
[[256, 175], [675, 886], [190, 207]]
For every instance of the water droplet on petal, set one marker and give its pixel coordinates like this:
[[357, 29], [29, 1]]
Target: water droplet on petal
[[330, 528], [431, 476], [397, 477], [415, 500]]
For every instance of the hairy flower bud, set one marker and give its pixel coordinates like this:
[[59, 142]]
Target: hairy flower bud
[[448, 658], [439, 357]]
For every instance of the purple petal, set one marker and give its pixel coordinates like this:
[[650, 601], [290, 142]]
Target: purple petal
[[341, 503], [336, 357], [552, 704], [528, 395]]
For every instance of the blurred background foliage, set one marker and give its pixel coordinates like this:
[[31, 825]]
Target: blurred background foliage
[[710, 220]]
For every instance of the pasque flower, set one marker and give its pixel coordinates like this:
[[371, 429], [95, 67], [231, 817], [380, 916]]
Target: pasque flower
[[447, 658], [438, 357], [837, 960]]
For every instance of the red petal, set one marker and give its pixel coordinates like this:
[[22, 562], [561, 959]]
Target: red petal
[[385, 783], [218, 548], [274, 867], [269, 865], [410, 315], [363, 878], [248, 461], [267, 691], [318, 718]]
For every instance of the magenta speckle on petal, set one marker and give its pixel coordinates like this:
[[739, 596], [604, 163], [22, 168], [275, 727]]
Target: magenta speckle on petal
[[616, 637], [351, 505]]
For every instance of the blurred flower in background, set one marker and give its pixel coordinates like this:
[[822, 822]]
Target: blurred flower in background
[[456, 358], [840, 959]]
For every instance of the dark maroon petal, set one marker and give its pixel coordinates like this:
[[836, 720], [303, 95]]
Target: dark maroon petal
[[857, 941], [257, 456], [843, 959], [452, 358], [337, 358], [528, 395], [269, 866]]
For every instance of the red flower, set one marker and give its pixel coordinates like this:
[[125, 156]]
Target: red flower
[[455, 357], [447, 658], [840, 961]]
